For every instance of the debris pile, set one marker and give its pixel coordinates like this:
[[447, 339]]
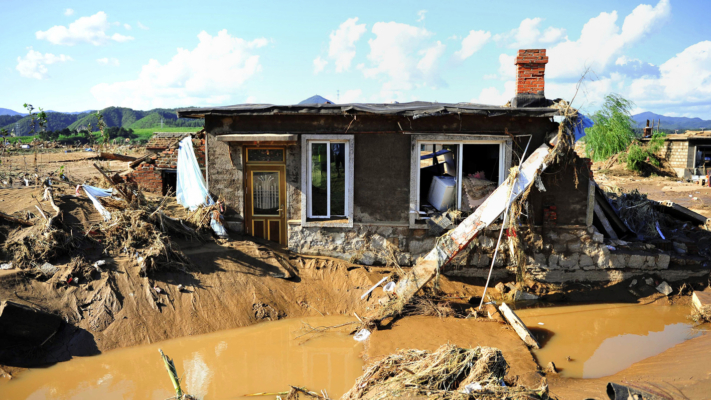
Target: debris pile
[[450, 372]]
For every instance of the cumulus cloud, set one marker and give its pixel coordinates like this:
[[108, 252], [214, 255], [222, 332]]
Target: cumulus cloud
[[319, 64], [528, 35], [472, 43], [421, 15], [211, 73], [140, 25], [684, 79], [127, 27], [68, 12], [34, 64], [404, 57], [90, 29], [492, 95], [108, 61], [602, 41], [341, 48]]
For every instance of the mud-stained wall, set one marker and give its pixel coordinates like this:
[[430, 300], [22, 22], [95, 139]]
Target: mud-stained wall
[[381, 177], [293, 182], [565, 186], [225, 174]]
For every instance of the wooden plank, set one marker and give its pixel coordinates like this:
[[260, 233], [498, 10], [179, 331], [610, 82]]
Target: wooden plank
[[118, 157], [605, 223], [591, 203], [457, 240], [15, 220], [518, 326]]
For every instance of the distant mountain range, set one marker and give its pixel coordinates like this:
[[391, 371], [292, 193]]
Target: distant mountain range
[[7, 111], [113, 117], [673, 123]]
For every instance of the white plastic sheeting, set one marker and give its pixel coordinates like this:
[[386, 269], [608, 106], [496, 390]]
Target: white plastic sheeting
[[94, 192], [191, 190]]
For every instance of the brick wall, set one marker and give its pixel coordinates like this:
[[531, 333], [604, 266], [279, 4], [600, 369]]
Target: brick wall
[[148, 174], [530, 71], [678, 153]]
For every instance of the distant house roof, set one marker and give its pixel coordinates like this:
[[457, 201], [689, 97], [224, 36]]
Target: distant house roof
[[162, 140], [416, 109], [316, 99]]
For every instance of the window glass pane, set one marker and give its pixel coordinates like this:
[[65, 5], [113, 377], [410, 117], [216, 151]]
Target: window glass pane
[[265, 155], [338, 179], [319, 179], [265, 193]]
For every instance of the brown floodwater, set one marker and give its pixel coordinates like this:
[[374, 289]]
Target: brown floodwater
[[267, 357], [602, 339]]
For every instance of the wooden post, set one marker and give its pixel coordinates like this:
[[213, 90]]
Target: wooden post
[[518, 326]]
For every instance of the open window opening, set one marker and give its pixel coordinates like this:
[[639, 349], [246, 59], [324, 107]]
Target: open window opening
[[328, 175], [457, 175], [170, 181]]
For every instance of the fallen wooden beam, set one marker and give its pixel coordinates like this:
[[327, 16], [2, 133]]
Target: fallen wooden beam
[[603, 220], [518, 326], [117, 157], [15, 220], [456, 240]]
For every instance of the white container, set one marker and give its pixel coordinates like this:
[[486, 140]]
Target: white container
[[442, 192]]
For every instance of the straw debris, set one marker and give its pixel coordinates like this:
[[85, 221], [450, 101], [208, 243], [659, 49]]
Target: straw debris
[[450, 372]]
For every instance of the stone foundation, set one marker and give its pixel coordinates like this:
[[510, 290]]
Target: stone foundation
[[552, 255]]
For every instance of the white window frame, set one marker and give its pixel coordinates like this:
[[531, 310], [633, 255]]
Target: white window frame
[[460, 141], [307, 218]]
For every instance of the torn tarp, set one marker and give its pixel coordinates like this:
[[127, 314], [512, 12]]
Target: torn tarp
[[581, 123], [94, 192], [191, 190]]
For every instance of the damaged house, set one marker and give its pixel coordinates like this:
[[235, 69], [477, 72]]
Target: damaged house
[[379, 183]]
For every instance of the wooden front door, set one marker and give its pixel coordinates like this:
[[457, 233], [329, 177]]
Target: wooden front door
[[265, 194]]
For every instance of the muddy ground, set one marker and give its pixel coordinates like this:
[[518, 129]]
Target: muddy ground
[[238, 282]]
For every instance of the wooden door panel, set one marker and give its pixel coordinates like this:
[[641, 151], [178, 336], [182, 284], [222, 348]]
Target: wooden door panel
[[265, 201]]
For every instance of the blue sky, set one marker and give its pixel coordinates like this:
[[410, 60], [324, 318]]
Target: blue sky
[[79, 55]]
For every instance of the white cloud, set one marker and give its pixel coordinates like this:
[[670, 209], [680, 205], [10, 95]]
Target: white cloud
[[528, 35], [84, 30], [404, 58], [251, 100], [140, 25], [349, 96], [490, 76], [127, 27], [472, 43], [319, 64], [602, 41], [34, 64], [341, 48], [491, 95], [421, 15], [507, 69], [211, 73], [108, 61], [684, 79], [68, 12]]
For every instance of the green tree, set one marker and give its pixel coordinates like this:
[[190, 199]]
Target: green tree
[[612, 132]]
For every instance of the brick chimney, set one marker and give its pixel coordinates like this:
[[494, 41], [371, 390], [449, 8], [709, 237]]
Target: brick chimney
[[530, 82]]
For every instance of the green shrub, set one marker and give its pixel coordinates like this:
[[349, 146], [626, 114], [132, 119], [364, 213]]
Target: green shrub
[[612, 132]]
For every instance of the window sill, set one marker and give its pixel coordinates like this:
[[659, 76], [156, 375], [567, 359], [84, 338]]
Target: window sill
[[338, 222]]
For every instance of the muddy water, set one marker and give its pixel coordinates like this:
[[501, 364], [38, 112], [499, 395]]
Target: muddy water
[[603, 339], [266, 357]]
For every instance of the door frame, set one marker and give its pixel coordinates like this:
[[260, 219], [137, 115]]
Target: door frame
[[262, 166]]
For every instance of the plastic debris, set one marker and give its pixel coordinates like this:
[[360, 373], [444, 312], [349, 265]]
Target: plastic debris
[[362, 335], [98, 264], [634, 282], [191, 191], [157, 289], [389, 287], [6, 266], [472, 387], [48, 269]]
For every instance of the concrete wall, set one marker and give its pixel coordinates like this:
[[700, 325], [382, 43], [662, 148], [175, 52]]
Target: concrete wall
[[676, 153]]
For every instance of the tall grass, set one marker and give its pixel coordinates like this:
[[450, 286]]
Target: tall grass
[[612, 132]]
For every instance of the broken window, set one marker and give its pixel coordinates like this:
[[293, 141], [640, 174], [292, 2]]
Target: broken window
[[328, 178], [456, 174]]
